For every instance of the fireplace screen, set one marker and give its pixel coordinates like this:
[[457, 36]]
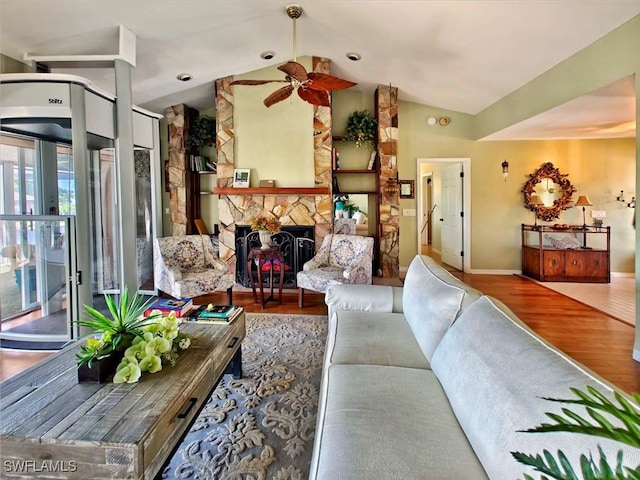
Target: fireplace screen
[[295, 242]]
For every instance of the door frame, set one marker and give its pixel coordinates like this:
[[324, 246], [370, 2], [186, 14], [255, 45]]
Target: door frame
[[466, 204]]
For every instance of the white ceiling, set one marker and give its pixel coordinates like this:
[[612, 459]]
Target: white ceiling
[[459, 55]]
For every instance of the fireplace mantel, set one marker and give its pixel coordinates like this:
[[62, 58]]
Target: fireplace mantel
[[272, 191]]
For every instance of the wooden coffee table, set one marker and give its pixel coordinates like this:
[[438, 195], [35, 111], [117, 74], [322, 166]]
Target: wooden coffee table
[[128, 431]]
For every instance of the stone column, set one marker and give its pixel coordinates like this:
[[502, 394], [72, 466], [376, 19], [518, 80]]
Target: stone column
[[225, 139], [179, 118], [386, 101], [322, 144]]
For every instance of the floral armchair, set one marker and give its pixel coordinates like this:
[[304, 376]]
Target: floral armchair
[[340, 259], [188, 266]]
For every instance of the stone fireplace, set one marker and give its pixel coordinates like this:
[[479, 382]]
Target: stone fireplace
[[296, 243]]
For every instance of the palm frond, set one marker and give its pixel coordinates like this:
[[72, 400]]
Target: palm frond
[[600, 410], [598, 425]]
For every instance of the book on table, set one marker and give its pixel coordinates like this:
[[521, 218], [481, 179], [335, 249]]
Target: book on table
[[180, 306], [216, 314]]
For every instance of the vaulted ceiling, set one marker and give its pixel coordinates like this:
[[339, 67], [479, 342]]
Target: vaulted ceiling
[[459, 55]]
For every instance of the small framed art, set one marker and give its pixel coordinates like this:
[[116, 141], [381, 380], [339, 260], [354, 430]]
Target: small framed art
[[241, 177], [406, 188]]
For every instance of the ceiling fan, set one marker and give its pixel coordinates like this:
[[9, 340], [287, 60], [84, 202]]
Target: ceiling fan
[[312, 87]]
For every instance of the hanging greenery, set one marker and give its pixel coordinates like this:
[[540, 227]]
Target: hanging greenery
[[361, 128], [202, 133]]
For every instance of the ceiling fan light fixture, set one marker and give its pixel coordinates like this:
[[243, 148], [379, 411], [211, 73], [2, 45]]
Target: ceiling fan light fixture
[[268, 55], [354, 57], [184, 77], [312, 87]]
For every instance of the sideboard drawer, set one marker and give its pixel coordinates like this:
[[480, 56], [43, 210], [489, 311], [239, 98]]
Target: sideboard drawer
[[173, 422]]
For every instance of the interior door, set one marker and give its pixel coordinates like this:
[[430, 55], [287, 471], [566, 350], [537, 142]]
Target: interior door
[[451, 232]]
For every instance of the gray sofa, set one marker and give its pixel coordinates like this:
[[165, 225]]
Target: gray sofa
[[436, 381]]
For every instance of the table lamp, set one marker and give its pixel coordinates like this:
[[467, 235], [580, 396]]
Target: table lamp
[[583, 201], [535, 202]]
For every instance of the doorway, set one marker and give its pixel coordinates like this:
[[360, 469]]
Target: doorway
[[444, 210]]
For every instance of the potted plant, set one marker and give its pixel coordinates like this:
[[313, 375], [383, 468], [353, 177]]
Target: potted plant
[[120, 338], [202, 133], [265, 226], [361, 128], [349, 209]]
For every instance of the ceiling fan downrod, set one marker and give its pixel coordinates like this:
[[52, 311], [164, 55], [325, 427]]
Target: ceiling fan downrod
[[294, 12]]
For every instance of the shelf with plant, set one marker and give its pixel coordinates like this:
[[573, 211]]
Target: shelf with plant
[[140, 344], [361, 129]]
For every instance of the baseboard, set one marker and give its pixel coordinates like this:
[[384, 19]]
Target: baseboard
[[495, 272], [623, 274]]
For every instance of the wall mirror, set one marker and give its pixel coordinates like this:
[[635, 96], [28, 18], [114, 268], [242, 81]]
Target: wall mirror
[[554, 190]]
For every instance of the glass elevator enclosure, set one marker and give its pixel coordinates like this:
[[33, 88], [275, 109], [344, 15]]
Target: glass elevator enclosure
[[61, 241]]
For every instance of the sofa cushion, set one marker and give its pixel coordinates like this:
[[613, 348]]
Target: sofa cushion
[[432, 299], [373, 339], [388, 423], [494, 371]]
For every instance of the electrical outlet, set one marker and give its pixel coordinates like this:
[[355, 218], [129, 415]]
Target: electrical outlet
[[408, 212]]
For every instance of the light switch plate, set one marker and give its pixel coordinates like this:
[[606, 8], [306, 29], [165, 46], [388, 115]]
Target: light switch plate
[[408, 212]]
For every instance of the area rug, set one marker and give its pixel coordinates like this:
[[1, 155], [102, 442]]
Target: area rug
[[260, 427]]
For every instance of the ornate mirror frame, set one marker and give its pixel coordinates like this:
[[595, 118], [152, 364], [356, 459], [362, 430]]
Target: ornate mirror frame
[[565, 201]]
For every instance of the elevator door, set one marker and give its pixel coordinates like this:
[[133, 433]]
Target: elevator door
[[36, 233]]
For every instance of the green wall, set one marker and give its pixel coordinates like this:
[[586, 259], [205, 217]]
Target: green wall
[[275, 142]]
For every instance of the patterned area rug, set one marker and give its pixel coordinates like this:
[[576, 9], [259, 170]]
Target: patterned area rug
[[260, 427]]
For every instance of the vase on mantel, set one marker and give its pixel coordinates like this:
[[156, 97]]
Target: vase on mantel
[[265, 239]]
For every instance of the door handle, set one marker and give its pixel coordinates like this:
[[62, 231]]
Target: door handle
[[442, 219]]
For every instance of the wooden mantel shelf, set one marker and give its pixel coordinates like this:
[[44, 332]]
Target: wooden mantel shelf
[[272, 191]]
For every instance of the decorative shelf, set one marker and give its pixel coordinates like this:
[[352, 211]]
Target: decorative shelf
[[364, 170], [355, 192], [272, 191]]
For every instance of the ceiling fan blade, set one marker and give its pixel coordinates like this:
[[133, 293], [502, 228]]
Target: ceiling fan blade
[[314, 97], [322, 81], [294, 70], [255, 82], [279, 95]]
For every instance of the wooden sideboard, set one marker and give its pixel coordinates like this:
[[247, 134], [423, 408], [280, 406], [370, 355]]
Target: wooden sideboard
[[53, 426], [590, 262]]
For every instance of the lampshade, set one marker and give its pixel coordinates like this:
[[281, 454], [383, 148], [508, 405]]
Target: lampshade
[[536, 200], [583, 201]]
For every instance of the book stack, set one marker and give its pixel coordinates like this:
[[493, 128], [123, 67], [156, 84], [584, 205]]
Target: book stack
[[181, 306], [214, 314]]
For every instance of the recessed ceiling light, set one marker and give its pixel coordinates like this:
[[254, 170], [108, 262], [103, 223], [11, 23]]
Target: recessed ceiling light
[[184, 77], [353, 56], [268, 55]]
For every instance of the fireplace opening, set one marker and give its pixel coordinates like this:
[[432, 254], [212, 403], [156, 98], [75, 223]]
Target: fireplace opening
[[296, 244]]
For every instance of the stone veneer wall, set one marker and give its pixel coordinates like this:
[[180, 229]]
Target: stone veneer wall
[[315, 210], [178, 118], [387, 114]]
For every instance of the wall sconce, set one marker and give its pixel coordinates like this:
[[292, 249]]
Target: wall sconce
[[632, 203], [505, 170], [391, 188], [535, 202], [620, 197], [583, 201]]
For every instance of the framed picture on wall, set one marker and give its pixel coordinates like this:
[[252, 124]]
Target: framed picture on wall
[[241, 177], [406, 188]]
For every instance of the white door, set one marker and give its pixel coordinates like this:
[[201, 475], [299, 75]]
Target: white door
[[451, 233]]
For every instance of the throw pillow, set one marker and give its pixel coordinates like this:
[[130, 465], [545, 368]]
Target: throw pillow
[[565, 242]]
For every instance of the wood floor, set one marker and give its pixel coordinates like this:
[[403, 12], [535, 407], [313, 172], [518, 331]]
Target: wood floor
[[598, 341]]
